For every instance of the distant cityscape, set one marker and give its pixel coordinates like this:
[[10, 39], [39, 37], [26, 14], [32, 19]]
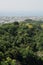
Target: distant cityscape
[[6, 19]]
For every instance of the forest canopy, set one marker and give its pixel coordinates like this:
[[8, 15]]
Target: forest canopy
[[21, 43]]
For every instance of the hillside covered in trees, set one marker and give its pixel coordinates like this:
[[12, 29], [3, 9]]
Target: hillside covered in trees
[[21, 43]]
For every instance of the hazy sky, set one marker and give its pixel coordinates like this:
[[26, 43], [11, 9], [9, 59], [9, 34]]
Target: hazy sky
[[21, 7]]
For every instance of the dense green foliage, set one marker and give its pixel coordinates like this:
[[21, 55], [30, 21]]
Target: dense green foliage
[[21, 43]]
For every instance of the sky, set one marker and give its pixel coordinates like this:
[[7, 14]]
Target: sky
[[21, 7]]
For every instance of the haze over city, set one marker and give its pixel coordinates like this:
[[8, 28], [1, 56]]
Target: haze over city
[[21, 7]]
